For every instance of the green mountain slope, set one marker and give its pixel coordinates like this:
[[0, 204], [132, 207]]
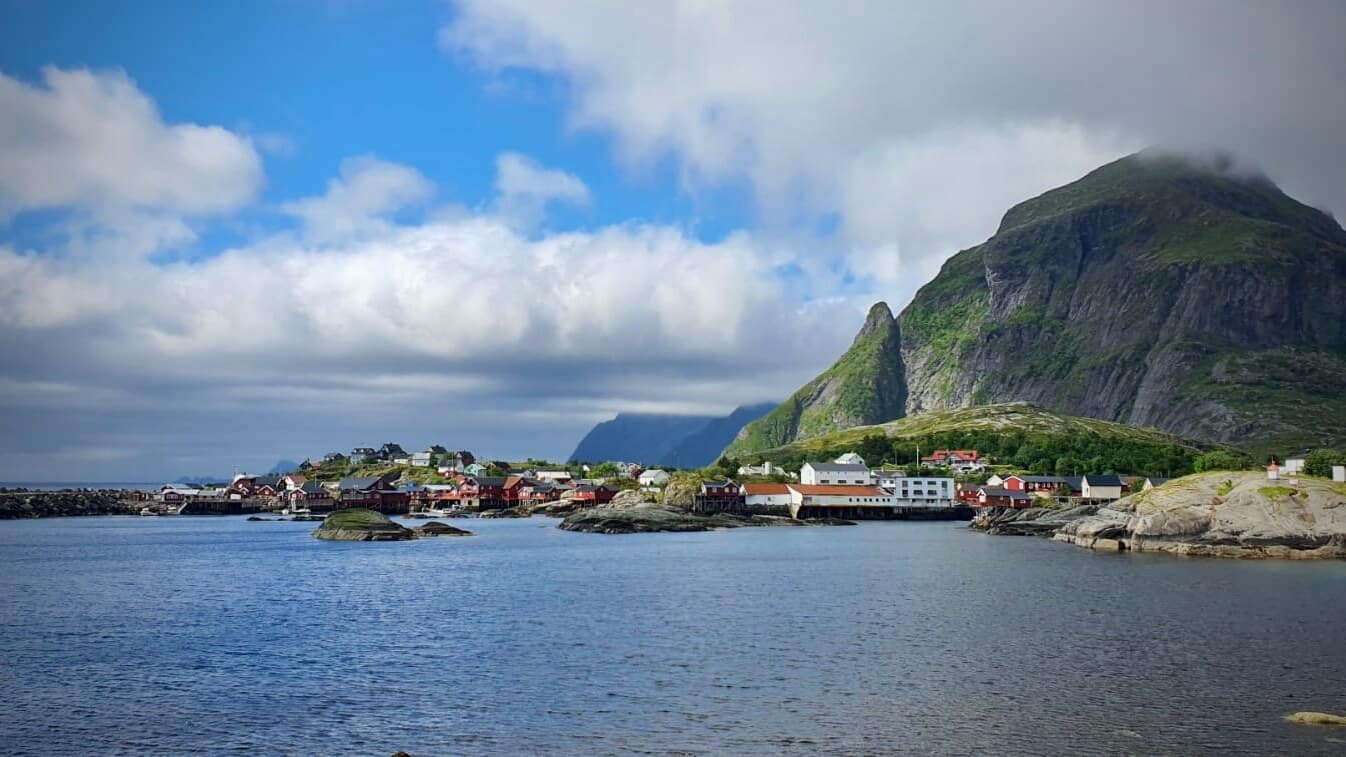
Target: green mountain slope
[[864, 386], [1153, 291], [1157, 291], [1018, 434]]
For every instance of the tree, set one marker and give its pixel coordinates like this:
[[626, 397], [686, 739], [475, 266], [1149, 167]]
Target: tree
[[1320, 461], [605, 470], [725, 467], [1222, 460]]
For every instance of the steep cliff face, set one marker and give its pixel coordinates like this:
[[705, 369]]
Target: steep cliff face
[[1154, 291], [865, 386]]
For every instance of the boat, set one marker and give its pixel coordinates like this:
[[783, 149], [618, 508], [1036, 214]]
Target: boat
[[149, 511]]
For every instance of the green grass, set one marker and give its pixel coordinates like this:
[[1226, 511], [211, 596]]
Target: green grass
[[1225, 488], [355, 518], [1276, 492]]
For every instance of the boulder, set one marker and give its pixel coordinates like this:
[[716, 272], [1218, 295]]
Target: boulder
[[660, 518], [436, 528], [1316, 718], [522, 511], [360, 524]]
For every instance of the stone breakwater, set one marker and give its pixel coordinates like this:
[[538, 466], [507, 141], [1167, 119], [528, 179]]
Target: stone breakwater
[[1218, 514], [17, 504]]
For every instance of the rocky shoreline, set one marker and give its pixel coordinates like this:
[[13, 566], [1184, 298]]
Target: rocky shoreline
[[1218, 514], [649, 518], [23, 504]]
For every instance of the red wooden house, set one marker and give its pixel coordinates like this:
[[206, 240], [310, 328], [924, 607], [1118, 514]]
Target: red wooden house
[[594, 495]]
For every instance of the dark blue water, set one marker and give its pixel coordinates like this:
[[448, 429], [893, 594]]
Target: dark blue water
[[200, 635]]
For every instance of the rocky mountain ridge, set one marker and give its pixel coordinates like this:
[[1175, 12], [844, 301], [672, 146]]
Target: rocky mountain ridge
[[1155, 291]]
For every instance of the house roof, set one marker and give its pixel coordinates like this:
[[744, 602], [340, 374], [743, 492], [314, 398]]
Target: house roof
[[990, 491], [489, 480], [752, 489], [1103, 479], [1039, 479], [364, 483], [1156, 480], [717, 484], [838, 490], [312, 487], [839, 467], [592, 488]]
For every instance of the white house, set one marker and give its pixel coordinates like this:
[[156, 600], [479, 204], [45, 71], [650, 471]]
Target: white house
[[765, 469], [556, 476], [850, 474], [1096, 486], [850, 458], [653, 477], [760, 495], [995, 481], [1339, 473], [422, 459], [1295, 463], [886, 479], [924, 492]]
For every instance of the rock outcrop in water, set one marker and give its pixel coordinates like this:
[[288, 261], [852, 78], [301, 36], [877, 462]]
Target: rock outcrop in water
[[359, 524], [655, 518], [436, 528], [1218, 514], [51, 504]]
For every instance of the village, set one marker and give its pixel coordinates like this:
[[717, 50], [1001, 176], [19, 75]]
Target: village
[[439, 482]]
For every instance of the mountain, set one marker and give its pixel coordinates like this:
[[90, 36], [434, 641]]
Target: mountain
[[1161, 291], [679, 441], [865, 386], [702, 447], [284, 466]]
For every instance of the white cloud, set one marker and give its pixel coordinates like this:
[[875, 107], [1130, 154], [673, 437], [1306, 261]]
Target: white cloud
[[525, 189], [94, 141], [361, 200], [919, 124], [461, 327]]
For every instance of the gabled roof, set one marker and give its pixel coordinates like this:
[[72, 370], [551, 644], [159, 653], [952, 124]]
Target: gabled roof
[[1103, 479], [1157, 480], [489, 480], [717, 484], [840, 490], [312, 487], [839, 467], [364, 483], [1039, 479], [758, 489], [990, 491]]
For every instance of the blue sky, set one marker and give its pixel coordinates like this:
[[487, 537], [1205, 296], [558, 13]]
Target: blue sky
[[232, 233], [335, 79]]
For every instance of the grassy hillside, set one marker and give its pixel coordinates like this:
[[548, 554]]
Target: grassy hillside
[[1018, 434], [864, 386]]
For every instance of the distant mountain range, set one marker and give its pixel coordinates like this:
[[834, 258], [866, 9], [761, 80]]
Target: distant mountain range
[[1162, 291], [677, 441]]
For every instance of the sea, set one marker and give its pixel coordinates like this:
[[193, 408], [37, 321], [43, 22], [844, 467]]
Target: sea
[[182, 635]]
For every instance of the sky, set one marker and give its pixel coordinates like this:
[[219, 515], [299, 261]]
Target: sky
[[235, 233]]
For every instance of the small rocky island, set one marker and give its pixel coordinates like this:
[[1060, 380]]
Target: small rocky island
[[360, 524], [1217, 514], [436, 528]]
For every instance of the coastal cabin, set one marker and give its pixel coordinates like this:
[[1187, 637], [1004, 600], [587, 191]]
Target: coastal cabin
[[542, 491], [292, 481], [850, 458], [375, 493], [960, 460], [767, 499], [1152, 482], [1294, 464], [988, 496], [422, 459], [556, 476], [852, 474], [1030, 484], [475, 469], [1102, 487], [266, 486], [482, 492], [886, 479], [966, 495], [363, 455], [924, 492], [312, 495], [839, 501], [653, 477], [591, 494], [718, 497]]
